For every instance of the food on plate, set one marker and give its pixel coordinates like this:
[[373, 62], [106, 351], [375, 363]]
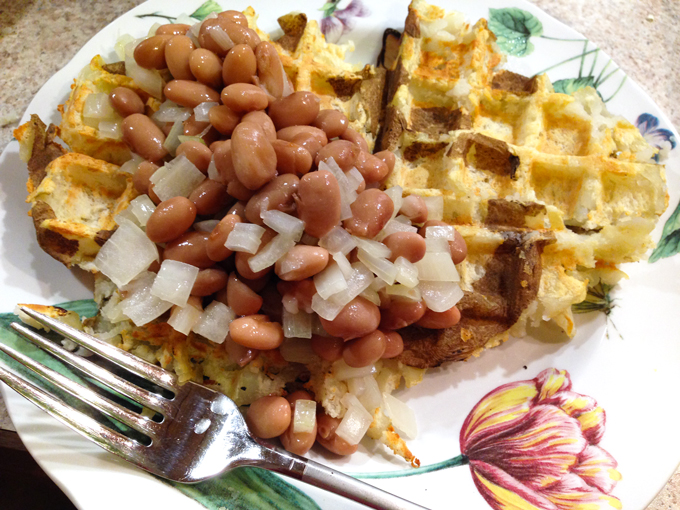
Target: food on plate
[[281, 224]]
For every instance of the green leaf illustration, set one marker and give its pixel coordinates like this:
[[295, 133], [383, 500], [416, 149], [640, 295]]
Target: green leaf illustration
[[205, 9], [571, 85], [513, 28], [670, 238]]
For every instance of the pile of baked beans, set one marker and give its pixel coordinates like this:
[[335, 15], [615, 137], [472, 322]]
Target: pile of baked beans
[[266, 143]]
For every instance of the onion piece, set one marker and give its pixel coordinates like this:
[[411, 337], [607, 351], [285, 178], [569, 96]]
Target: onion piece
[[212, 170], [437, 267], [148, 80], [371, 295], [245, 237], [171, 112], [355, 178], [344, 264], [120, 45], [142, 208], [201, 111], [130, 167], [127, 253], [358, 282], [356, 421], [342, 371], [348, 194], [383, 268], [205, 225], [396, 194], [402, 416], [298, 350], [407, 272], [330, 281], [110, 129], [392, 227], [440, 296], [98, 106], [178, 177], [442, 232], [186, 138], [172, 140], [437, 245], [375, 248], [184, 318], [214, 322], [284, 224], [435, 207], [297, 325], [174, 282], [338, 240], [304, 417], [141, 307], [221, 38], [404, 292], [267, 256], [367, 391]]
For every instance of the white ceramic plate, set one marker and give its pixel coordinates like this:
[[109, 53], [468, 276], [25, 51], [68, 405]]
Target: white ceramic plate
[[627, 361]]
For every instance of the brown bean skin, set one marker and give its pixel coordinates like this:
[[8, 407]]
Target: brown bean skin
[[241, 298], [370, 213], [318, 202], [240, 65], [333, 122], [269, 417], [327, 348], [253, 156], [173, 29], [141, 177], [196, 152], [170, 220], [301, 262], [126, 101], [193, 127], [270, 70], [291, 158], [279, 195], [289, 133], [244, 97], [414, 208], [309, 142], [190, 93], [239, 191], [409, 245], [388, 158], [394, 345], [371, 168], [256, 334], [300, 442], [177, 53], [298, 108], [210, 197], [234, 16], [366, 350], [209, 281], [458, 246], [206, 67], [358, 318], [223, 161], [189, 248], [144, 137], [343, 152], [399, 313], [352, 136], [215, 248], [242, 258], [327, 438], [261, 119], [150, 53], [440, 320]]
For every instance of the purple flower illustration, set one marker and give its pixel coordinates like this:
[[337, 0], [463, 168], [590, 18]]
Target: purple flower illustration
[[336, 22], [662, 139]]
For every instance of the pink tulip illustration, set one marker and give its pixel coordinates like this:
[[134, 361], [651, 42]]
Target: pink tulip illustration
[[533, 445], [336, 22]]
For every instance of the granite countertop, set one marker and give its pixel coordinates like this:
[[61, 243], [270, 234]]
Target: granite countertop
[[39, 37]]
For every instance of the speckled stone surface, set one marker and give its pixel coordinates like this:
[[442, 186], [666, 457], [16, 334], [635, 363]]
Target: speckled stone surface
[[37, 38]]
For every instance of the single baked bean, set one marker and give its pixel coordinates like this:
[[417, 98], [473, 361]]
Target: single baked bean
[[388, 158], [276, 194], [298, 442], [253, 156], [300, 293], [310, 143], [351, 135], [224, 119], [440, 320], [318, 202], [193, 127], [206, 67], [333, 122], [327, 437], [394, 345], [223, 161], [189, 248], [210, 197], [258, 284], [366, 350], [301, 262], [288, 133], [244, 97], [196, 152], [177, 54], [234, 16], [150, 53], [370, 213], [190, 93], [291, 158], [409, 245], [242, 258], [173, 29], [371, 168], [399, 313], [327, 348], [299, 108], [240, 65], [239, 208], [170, 219], [256, 334], [126, 101], [268, 417], [211, 37], [236, 352], [215, 248], [262, 119], [241, 298], [270, 70], [457, 246], [358, 318], [414, 208], [343, 152], [209, 281], [144, 137], [239, 191], [140, 179]]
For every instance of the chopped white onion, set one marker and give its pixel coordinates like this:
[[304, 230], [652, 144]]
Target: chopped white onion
[[201, 111], [171, 112], [130, 167], [212, 170], [440, 296], [407, 272], [152, 30], [142, 208], [383, 268], [141, 307], [120, 45], [184, 318], [342, 371], [304, 417], [338, 240], [297, 350], [437, 267], [356, 421], [443, 232], [355, 178], [185, 19], [402, 416], [344, 264], [358, 282], [126, 214], [98, 106], [176, 178], [174, 282], [284, 224], [367, 391], [435, 207], [245, 237], [205, 225], [330, 281], [371, 295], [172, 140], [186, 138], [267, 256], [375, 248], [148, 80], [437, 245], [127, 253], [297, 325], [396, 194], [221, 38], [404, 292], [214, 322], [110, 129], [317, 327], [392, 227], [348, 194]]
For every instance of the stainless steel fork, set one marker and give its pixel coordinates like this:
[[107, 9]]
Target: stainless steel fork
[[202, 433]]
